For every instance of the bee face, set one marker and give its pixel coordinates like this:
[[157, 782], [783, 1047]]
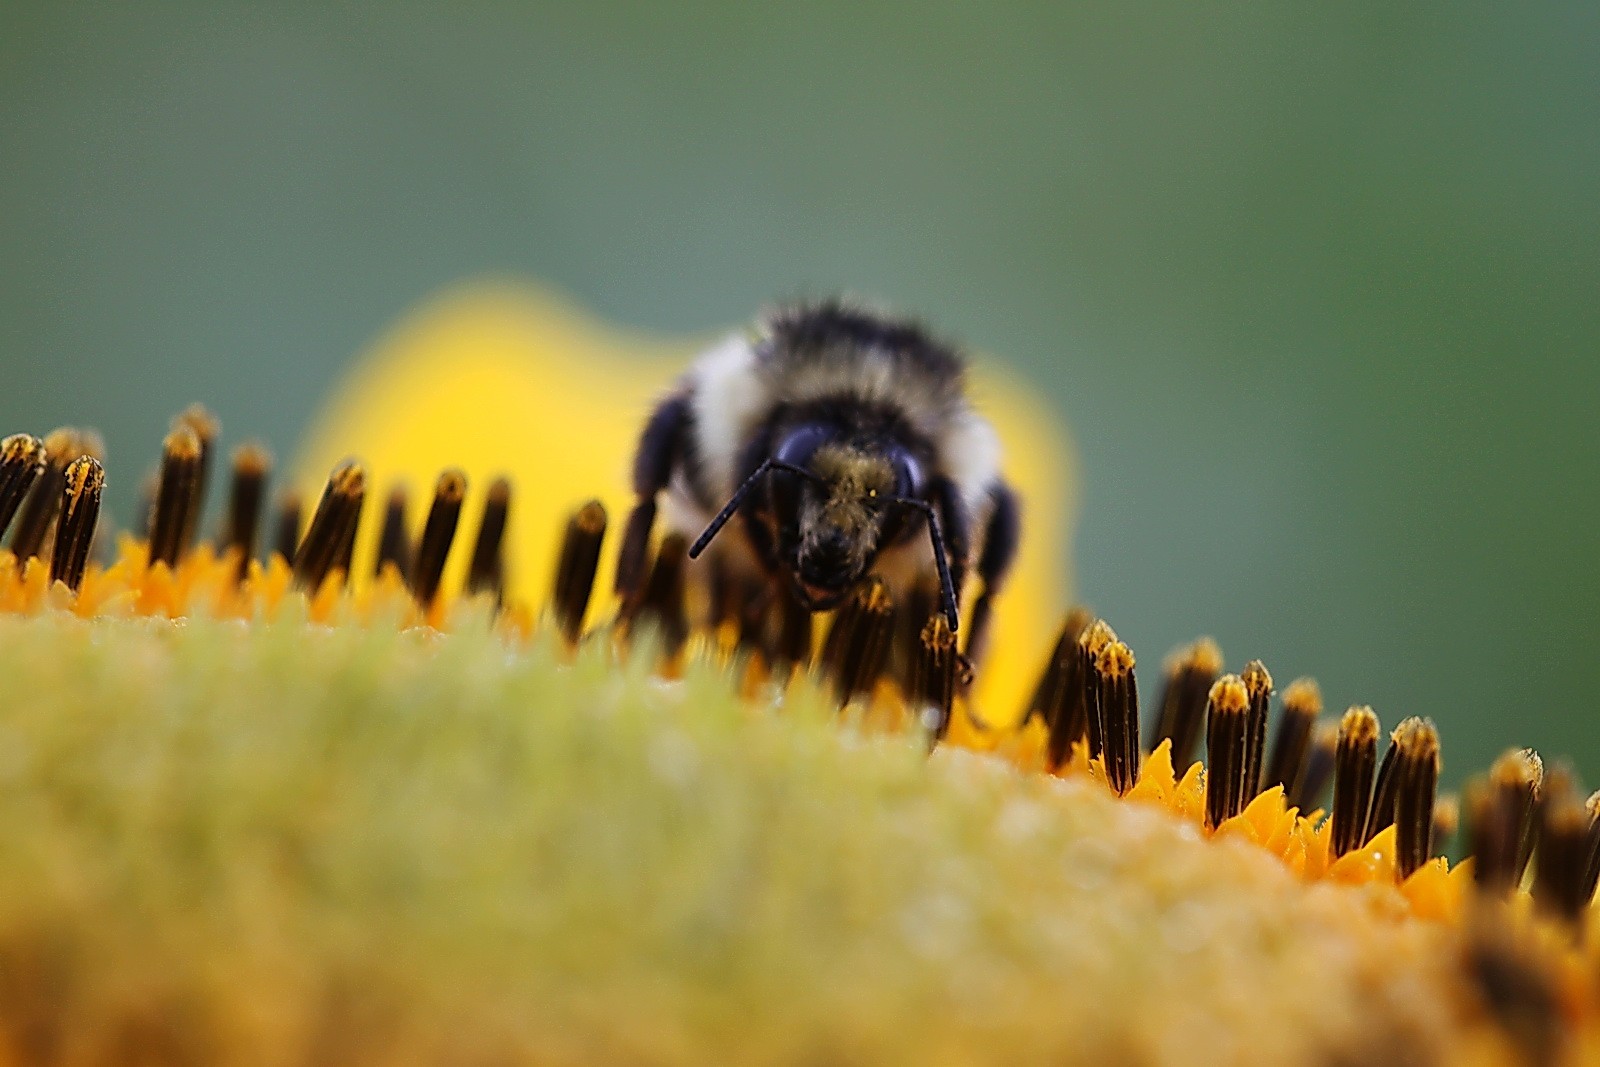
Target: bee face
[[831, 524], [839, 523]]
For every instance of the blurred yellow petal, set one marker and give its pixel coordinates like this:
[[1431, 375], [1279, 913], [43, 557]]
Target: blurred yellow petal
[[504, 378]]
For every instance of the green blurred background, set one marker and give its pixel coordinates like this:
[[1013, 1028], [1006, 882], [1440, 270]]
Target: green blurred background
[[1317, 287]]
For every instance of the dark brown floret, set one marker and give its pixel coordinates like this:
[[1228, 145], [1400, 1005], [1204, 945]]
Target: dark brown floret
[[1190, 674], [394, 540], [251, 465], [205, 427], [177, 496], [286, 526], [80, 510], [1091, 642], [1309, 792], [487, 571], [1416, 778], [575, 569], [1116, 698], [438, 534], [1055, 699], [1258, 685], [662, 608], [22, 460], [1302, 704], [1354, 764], [29, 535], [1561, 862], [793, 637], [1227, 717], [338, 511]]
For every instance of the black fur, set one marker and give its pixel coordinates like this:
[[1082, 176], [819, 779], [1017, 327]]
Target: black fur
[[802, 329], [662, 446]]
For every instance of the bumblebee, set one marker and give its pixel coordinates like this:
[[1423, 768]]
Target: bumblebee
[[843, 443]]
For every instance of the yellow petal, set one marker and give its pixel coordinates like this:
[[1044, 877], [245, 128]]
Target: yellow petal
[[503, 378]]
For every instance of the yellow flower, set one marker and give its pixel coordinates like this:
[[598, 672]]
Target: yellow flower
[[294, 823]]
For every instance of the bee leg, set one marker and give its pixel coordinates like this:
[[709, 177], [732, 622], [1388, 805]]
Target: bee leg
[[661, 449], [1000, 537], [956, 527]]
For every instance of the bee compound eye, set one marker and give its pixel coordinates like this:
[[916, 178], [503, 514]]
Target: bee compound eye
[[797, 446], [907, 473]]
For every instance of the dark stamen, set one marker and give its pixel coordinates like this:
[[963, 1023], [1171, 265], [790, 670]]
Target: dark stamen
[[1116, 698], [1302, 703], [175, 496], [1517, 778], [286, 526], [1491, 839], [205, 427], [427, 568], [337, 512], [1353, 765], [251, 464], [1258, 685], [662, 607], [1091, 643], [1380, 815], [394, 542], [793, 641], [933, 676], [1561, 862], [80, 510], [487, 574], [752, 604], [1514, 979], [634, 554], [857, 646], [1312, 787], [344, 559], [22, 460], [1227, 716], [61, 447], [1416, 786], [1190, 674], [580, 556], [1055, 697]]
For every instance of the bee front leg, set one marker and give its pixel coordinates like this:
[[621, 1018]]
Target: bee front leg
[[661, 449]]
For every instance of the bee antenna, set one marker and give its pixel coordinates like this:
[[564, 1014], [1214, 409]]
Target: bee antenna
[[732, 506], [947, 588]]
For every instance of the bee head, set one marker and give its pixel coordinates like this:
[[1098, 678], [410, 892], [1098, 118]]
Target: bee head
[[838, 516], [830, 504]]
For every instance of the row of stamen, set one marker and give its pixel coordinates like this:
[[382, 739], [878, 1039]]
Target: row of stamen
[[1087, 694]]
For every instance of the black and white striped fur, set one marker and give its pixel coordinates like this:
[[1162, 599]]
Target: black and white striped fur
[[841, 436]]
